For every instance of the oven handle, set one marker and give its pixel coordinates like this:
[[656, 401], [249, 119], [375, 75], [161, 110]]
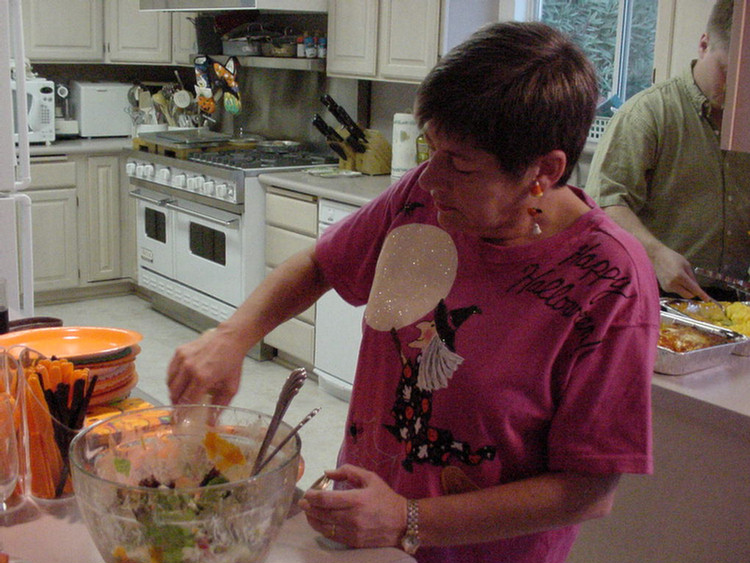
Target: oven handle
[[160, 202], [223, 222]]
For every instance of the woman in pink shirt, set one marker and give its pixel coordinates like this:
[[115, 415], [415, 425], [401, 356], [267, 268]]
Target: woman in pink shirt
[[503, 380]]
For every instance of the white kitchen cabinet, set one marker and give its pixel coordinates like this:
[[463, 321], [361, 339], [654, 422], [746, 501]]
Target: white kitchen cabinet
[[53, 216], [78, 220], [184, 38], [398, 40], [99, 231], [291, 226], [102, 31], [54, 220], [135, 36], [67, 30]]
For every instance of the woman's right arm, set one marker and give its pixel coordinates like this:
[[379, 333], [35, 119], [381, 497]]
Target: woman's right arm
[[212, 364]]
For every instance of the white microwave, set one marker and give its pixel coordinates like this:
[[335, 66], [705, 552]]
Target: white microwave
[[40, 104]]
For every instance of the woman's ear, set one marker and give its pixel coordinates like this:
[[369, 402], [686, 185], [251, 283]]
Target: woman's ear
[[551, 167]]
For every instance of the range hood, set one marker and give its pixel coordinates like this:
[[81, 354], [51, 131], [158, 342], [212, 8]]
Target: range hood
[[207, 5]]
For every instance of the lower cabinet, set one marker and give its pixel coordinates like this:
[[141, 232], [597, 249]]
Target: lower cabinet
[[55, 238], [291, 226], [77, 221]]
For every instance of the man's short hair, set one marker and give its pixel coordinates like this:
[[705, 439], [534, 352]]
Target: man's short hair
[[719, 27]]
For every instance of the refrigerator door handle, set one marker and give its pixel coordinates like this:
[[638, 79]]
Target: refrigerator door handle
[[25, 251], [23, 174]]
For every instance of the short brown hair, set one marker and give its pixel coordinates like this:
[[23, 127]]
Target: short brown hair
[[719, 27], [515, 90]]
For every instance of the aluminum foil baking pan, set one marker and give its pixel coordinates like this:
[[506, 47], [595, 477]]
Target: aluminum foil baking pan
[[681, 363], [670, 305]]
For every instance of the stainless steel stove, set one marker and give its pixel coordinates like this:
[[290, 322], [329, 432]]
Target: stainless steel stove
[[201, 227], [252, 160]]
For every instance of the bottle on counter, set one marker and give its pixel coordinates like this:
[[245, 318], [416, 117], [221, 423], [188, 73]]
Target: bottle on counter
[[301, 46], [4, 317], [311, 49], [322, 46]]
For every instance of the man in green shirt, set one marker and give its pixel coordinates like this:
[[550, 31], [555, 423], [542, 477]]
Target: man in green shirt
[[660, 173]]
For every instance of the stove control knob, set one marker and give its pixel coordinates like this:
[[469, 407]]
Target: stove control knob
[[164, 174], [191, 184], [139, 170], [199, 181], [230, 194], [208, 186], [221, 190], [148, 171], [130, 168], [179, 180]]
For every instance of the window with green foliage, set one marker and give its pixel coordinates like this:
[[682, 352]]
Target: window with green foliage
[[617, 35]]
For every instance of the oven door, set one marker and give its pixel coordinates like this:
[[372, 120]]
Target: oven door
[[154, 232], [208, 250]]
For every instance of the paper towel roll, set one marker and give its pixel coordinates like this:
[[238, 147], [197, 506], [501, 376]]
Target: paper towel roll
[[405, 133]]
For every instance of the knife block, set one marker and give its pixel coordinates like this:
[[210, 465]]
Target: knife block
[[374, 161]]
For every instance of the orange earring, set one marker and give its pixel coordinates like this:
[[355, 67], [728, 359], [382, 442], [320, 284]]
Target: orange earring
[[533, 212], [536, 189]]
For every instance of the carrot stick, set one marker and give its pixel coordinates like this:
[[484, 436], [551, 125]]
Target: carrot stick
[[66, 369], [55, 376], [46, 461]]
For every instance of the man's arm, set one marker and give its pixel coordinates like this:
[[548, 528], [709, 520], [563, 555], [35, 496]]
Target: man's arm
[[673, 271]]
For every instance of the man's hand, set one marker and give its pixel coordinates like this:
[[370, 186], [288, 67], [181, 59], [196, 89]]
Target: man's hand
[[675, 274]]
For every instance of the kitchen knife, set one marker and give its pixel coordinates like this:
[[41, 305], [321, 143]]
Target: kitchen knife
[[328, 132], [333, 138], [343, 117]]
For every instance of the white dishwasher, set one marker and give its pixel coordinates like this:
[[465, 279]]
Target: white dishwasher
[[338, 325]]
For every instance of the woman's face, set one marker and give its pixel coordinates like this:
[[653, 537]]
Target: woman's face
[[471, 192]]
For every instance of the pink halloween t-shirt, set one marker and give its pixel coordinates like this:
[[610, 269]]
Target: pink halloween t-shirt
[[503, 362]]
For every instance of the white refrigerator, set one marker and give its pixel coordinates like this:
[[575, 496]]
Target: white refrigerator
[[16, 264]]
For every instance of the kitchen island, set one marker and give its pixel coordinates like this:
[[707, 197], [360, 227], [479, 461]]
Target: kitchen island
[[696, 506]]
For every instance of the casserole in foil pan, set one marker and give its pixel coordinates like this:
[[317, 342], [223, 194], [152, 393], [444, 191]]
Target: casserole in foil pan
[[669, 362], [734, 316]]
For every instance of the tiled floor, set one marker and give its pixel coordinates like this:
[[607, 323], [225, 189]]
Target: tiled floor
[[261, 380]]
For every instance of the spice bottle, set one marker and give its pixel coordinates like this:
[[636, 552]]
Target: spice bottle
[[301, 46], [322, 46], [311, 50]]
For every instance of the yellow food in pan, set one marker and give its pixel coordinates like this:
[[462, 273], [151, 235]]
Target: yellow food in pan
[[735, 316]]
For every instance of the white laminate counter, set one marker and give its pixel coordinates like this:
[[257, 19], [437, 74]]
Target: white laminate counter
[[83, 146], [354, 190], [55, 533]]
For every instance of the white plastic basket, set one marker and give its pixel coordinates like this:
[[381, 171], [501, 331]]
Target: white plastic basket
[[597, 128]]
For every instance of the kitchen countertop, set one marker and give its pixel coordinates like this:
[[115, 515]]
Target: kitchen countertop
[[82, 146], [54, 532], [354, 190]]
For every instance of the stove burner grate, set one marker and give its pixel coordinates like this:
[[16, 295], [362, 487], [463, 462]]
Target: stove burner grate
[[252, 159]]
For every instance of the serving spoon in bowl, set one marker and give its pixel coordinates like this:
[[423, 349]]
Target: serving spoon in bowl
[[291, 387]]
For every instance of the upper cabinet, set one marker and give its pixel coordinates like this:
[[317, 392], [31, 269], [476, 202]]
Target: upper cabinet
[[104, 31], [135, 36], [69, 30], [398, 40]]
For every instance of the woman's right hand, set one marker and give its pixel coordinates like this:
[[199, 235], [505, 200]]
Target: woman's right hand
[[210, 365]]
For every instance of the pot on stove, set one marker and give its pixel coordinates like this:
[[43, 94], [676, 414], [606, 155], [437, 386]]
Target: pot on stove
[[279, 146]]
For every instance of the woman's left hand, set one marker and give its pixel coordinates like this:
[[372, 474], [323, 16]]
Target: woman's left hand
[[367, 514]]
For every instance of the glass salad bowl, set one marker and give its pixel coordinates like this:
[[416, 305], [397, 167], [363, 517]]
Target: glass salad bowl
[[175, 484]]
